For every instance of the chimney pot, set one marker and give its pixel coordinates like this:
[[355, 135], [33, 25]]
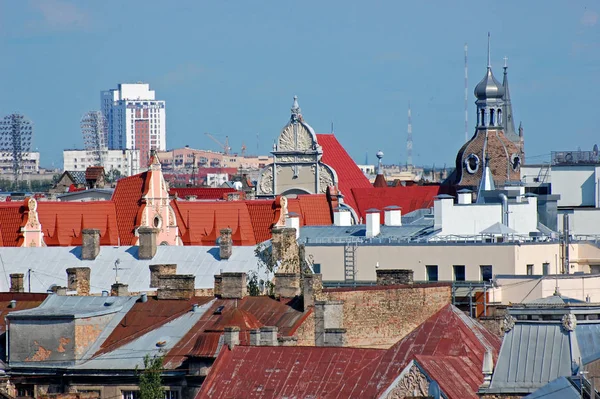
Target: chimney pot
[[78, 279], [16, 282], [143, 297], [12, 304], [287, 285], [176, 286], [373, 223], [218, 285], [392, 215], [159, 270], [233, 285], [225, 244], [394, 276], [342, 217], [104, 293], [231, 337], [119, 289], [268, 336], [328, 315], [90, 247], [147, 242]]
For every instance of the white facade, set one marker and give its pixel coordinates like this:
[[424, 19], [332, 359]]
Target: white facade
[[135, 119], [472, 219], [125, 161], [31, 162], [577, 185]]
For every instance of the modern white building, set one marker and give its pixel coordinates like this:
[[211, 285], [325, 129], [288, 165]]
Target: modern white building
[[127, 162], [135, 119], [31, 162]]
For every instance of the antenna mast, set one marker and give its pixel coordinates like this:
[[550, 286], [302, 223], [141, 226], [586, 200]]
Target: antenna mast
[[466, 96], [409, 141]]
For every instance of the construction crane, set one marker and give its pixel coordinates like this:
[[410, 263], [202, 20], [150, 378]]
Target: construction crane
[[225, 146]]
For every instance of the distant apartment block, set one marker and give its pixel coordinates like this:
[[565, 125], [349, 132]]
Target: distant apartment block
[[30, 164], [135, 119], [183, 158], [127, 162]]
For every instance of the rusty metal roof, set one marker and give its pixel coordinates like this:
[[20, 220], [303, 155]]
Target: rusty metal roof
[[24, 300], [283, 372]]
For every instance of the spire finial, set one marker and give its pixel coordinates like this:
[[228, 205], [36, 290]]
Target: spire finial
[[295, 109], [489, 64], [505, 63]]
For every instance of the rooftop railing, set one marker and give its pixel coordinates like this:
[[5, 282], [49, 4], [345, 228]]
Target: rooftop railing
[[575, 157]]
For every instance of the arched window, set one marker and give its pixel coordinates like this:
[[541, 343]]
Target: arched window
[[491, 117], [499, 117], [483, 117]]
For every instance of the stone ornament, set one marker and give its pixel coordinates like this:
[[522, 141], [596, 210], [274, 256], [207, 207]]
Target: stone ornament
[[325, 179], [295, 137], [509, 323], [569, 322], [472, 163], [266, 181], [413, 383]]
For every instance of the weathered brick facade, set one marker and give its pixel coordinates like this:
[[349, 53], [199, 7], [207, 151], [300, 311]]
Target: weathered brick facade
[[78, 279], [176, 286], [90, 248], [378, 317], [158, 270]]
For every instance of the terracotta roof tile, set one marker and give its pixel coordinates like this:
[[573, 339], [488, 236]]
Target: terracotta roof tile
[[262, 214], [11, 219], [94, 172], [315, 210], [349, 175], [127, 198]]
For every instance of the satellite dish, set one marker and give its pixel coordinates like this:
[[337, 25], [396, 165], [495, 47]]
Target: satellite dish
[[434, 390]]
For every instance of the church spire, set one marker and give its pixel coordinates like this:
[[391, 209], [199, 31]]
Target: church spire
[[509, 123]]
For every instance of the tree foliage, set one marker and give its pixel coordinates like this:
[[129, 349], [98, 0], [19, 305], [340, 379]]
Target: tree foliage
[[150, 378]]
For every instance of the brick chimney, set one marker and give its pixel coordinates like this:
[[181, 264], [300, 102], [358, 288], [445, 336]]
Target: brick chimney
[[255, 337], [90, 247], [233, 285], [268, 336], [159, 270], [176, 286], [147, 241], [287, 285], [225, 244], [312, 289], [231, 337], [328, 315], [119, 289], [16, 282], [78, 279], [218, 285], [335, 337], [394, 276]]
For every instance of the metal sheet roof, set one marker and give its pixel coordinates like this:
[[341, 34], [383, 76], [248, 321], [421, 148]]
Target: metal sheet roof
[[560, 388], [48, 265], [75, 306], [588, 338], [357, 232], [532, 355], [155, 342]]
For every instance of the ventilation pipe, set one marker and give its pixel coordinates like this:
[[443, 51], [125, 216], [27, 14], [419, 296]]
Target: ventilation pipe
[[504, 199]]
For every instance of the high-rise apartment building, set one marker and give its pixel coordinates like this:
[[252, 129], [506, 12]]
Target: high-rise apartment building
[[135, 119]]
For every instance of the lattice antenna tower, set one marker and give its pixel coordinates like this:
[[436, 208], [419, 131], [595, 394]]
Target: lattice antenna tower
[[94, 131], [409, 141], [466, 96], [15, 140]]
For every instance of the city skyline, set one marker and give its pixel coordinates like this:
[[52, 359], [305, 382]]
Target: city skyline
[[354, 65]]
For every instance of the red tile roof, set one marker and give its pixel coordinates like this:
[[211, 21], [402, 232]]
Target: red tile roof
[[349, 175], [447, 333], [11, 220], [127, 198], [62, 222], [409, 198], [314, 209], [283, 372], [380, 182], [94, 172], [201, 193], [262, 217]]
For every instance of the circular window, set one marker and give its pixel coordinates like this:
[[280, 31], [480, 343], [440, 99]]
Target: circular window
[[156, 222], [472, 163], [515, 162]]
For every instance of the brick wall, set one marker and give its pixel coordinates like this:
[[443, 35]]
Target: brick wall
[[378, 317]]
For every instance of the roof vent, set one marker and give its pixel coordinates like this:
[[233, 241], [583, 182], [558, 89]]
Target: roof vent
[[143, 297], [104, 293], [195, 307], [219, 310], [12, 304], [109, 303], [161, 344]]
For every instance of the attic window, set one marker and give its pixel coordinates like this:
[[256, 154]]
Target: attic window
[[156, 222], [219, 310]]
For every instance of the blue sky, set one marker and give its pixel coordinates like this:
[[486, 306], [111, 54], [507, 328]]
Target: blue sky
[[232, 68]]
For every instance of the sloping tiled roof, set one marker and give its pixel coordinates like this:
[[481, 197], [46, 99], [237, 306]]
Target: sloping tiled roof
[[315, 210], [94, 172], [11, 219], [349, 175], [62, 222], [380, 181], [77, 176], [409, 198], [201, 193], [283, 372], [262, 215], [127, 199], [447, 333]]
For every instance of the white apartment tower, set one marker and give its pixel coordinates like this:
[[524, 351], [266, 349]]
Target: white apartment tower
[[135, 119]]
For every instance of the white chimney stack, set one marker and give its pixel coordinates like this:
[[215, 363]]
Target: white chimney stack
[[373, 222], [342, 217], [465, 196], [293, 221], [392, 215]]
